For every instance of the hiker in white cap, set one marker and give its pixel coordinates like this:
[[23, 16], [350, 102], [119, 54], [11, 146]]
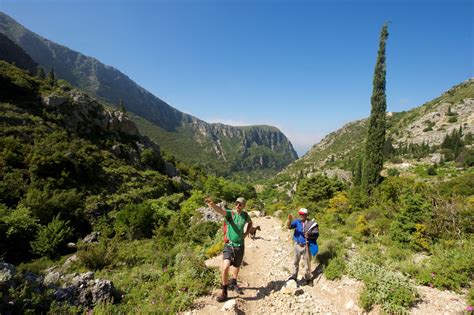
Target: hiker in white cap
[[305, 236]]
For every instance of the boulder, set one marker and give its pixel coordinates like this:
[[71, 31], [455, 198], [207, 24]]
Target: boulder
[[7, 272], [54, 100], [52, 277], [255, 214], [91, 238]]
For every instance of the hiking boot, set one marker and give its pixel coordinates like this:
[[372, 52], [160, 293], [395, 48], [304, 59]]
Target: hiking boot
[[223, 296], [308, 282], [235, 287]]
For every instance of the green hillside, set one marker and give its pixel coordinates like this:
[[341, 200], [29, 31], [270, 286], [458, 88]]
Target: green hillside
[[217, 148], [426, 125]]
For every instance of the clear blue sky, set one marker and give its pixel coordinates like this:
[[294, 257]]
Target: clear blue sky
[[303, 66]]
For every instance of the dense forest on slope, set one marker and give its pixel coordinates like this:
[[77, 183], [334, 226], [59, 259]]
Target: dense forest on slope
[[70, 167]]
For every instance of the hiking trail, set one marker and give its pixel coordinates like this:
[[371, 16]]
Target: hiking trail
[[267, 264]]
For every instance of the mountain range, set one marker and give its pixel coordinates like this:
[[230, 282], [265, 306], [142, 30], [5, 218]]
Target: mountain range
[[218, 148]]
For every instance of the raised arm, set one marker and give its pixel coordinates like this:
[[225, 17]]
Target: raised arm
[[288, 223], [216, 208]]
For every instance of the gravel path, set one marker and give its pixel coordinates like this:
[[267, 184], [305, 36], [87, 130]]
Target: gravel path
[[267, 265]]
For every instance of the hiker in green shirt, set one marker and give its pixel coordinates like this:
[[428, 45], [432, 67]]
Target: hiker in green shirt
[[234, 236]]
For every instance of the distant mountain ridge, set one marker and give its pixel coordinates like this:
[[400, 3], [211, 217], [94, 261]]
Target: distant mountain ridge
[[221, 148], [12, 53]]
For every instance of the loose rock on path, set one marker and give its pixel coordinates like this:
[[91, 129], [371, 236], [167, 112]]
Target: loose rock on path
[[267, 265]]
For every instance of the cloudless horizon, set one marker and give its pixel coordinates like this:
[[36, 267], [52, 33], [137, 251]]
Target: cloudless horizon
[[305, 67]]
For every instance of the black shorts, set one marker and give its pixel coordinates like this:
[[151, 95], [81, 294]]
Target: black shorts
[[234, 254]]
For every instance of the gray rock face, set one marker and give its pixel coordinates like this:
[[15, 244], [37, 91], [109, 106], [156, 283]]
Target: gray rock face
[[84, 290], [54, 100], [7, 271], [85, 115], [433, 126], [91, 238]]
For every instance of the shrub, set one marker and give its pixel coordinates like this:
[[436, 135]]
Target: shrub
[[52, 237], [452, 119], [335, 269], [311, 191], [17, 228], [393, 172], [97, 256], [431, 171], [339, 203], [461, 185], [452, 218], [362, 227], [470, 297], [202, 232], [215, 249], [390, 289], [414, 209], [135, 221], [450, 266]]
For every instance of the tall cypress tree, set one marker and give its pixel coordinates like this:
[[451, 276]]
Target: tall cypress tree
[[373, 157], [51, 78]]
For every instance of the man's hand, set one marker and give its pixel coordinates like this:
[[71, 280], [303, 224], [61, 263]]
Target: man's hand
[[209, 201], [288, 223], [212, 205]]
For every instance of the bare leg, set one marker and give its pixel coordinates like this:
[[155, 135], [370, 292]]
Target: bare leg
[[225, 271], [235, 272]]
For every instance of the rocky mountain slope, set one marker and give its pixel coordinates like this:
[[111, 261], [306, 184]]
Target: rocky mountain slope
[[428, 124], [220, 148]]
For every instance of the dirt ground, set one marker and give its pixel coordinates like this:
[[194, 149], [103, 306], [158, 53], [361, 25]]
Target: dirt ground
[[267, 265]]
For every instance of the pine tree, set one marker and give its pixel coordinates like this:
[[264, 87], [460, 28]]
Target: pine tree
[[373, 159]]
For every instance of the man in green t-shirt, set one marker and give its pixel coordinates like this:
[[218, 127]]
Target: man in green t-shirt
[[234, 236]]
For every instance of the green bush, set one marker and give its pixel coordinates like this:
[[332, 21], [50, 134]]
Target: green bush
[[408, 228], [17, 228], [452, 119], [461, 185], [311, 191], [28, 297], [470, 297], [97, 256], [450, 266], [431, 171], [51, 238], [391, 290], [203, 232], [135, 221], [393, 172], [335, 269]]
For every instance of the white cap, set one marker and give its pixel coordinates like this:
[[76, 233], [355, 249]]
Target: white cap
[[303, 211]]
